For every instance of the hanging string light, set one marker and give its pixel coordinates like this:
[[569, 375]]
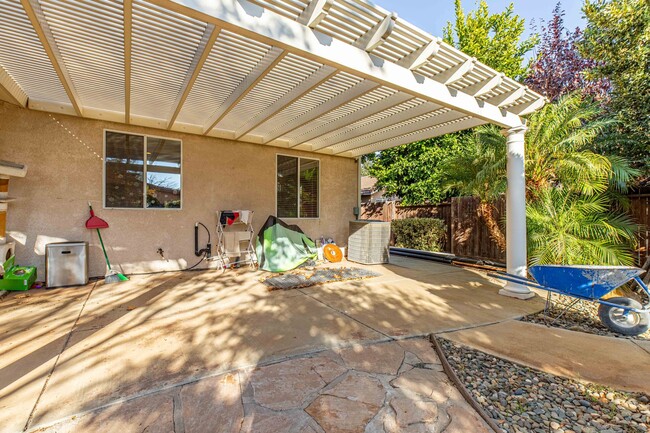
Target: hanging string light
[[83, 143]]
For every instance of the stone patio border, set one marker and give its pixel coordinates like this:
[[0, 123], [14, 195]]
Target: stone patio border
[[460, 386]]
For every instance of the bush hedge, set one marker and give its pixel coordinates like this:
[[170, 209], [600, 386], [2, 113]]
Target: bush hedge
[[426, 234]]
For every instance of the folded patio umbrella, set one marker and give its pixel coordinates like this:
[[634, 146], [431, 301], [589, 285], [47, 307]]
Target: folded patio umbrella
[[281, 247]]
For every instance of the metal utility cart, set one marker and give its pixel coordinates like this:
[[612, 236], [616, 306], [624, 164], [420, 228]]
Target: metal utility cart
[[235, 238]]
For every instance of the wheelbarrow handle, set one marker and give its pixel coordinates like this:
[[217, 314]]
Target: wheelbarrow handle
[[645, 309], [516, 279]]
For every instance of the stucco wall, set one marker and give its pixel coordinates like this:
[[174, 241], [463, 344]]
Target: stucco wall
[[65, 174]]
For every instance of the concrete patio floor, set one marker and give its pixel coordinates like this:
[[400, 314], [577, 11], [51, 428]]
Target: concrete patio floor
[[127, 352], [620, 363]]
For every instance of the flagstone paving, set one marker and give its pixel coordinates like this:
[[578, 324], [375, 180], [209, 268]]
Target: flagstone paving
[[352, 390]]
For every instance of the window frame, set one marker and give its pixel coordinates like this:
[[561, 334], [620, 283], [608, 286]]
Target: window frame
[[144, 187], [298, 201]]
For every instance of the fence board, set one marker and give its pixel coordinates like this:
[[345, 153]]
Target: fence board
[[640, 212]]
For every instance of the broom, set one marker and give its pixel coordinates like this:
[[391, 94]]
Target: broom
[[95, 222]]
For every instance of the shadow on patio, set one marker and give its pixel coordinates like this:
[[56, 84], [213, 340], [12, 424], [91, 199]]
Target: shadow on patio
[[149, 336]]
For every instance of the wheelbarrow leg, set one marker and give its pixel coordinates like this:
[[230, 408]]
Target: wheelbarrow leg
[[547, 307], [567, 308]]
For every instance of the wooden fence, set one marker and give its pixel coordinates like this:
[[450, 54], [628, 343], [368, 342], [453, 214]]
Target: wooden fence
[[640, 212], [468, 236]]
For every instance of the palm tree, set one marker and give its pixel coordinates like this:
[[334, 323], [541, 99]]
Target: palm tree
[[480, 172], [570, 228], [558, 159]]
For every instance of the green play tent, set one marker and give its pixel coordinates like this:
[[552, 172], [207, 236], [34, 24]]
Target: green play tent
[[281, 247]]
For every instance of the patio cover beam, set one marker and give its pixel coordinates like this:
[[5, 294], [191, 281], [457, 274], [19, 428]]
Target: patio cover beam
[[200, 56], [338, 101], [369, 128], [508, 97], [261, 70], [255, 22], [455, 73], [320, 76], [128, 28], [12, 89], [420, 56], [376, 35], [37, 18], [529, 107], [315, 12], [423, 134], [396, 132], [483, 87], [344, 121]]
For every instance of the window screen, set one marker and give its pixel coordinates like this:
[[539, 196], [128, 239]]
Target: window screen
[[297, 187], [130, 159]]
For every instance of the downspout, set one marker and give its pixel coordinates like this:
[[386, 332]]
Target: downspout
[[357, 210]]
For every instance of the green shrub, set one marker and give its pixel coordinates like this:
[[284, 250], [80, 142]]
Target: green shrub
[[426, 234]]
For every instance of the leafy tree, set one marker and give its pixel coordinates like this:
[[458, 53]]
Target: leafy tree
[[559, 67], [412, 171], [494, 39], [563, 178], [618, 35]]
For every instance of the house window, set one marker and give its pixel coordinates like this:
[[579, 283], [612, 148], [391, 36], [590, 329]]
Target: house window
[[130, 160], [298, 182]]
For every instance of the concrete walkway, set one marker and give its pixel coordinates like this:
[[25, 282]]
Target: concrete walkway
[[72, 351], [622, 364]]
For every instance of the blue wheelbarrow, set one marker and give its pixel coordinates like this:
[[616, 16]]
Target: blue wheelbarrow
[[591, 283]]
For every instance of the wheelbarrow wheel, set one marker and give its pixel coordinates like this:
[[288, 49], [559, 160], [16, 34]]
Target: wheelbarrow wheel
[[630, 324]]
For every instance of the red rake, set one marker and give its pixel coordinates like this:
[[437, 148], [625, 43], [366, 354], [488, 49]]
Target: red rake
[[95, 222]]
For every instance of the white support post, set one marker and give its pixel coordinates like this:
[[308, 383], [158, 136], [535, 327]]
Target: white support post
[[516, 258]]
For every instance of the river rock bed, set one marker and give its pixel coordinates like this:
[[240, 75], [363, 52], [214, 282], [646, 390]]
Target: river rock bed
[[582, 317], [521, 399]]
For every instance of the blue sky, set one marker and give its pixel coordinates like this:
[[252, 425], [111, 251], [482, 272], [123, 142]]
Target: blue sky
[[432, 15]]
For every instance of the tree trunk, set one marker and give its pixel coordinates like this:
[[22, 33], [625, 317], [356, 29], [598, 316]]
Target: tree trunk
[[487, 212]]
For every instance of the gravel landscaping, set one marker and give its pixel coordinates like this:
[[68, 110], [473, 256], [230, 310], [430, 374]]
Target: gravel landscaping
[[582, 317], [520, 399]]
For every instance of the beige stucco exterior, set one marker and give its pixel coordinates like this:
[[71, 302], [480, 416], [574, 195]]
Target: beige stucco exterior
[[64, 174]]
